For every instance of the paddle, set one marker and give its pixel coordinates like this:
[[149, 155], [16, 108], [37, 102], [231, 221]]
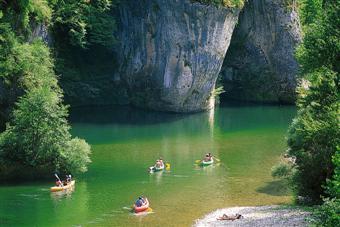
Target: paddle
[[149, 209], [217, 159], [151, 169], [57, 176]]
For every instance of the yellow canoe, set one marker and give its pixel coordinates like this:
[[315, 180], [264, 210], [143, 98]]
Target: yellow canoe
[[68, 186]]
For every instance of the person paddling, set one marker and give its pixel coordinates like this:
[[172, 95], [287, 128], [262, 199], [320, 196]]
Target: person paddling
[[158, 163], [140, 201], [161, 161], [210, 156], [68, 178], [207, 158], [58, 183]]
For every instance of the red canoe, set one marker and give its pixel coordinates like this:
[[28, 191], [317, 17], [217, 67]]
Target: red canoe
[[141, 208]]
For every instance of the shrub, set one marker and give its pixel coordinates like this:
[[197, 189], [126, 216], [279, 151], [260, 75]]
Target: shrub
[[282, 170], [333, 185], [38, 135], [328, 214], [76, 155]]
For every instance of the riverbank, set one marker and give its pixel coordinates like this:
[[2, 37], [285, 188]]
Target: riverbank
[[257, 216]]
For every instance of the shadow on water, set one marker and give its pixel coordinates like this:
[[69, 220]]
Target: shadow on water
[[124, 123], [122, 115], [275, 188], [113, 123]]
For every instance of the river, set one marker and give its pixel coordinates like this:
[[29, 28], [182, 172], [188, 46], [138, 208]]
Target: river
[[248, 141]]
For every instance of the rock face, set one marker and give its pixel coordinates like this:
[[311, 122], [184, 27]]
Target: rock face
[[260, 64], [40, 30], [172, 51]]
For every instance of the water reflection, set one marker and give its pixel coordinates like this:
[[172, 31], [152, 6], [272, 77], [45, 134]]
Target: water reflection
[[106, 125], [156, 177], [57, 196]]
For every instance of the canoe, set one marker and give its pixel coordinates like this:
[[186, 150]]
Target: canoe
[[141, 208], [156, 169], [68, 186], [204, 163]]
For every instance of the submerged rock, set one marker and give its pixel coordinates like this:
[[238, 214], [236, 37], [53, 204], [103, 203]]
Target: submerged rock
[[260, 64], [171, 52]]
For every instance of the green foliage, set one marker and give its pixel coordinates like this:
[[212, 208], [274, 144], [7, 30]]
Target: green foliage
[[37, 136], [84, 22], [24, 61], [20, 13], [282, 170], [328, 214], [76, 155], [38, 130], [333, 185], [83, 43], [321, 43], [309, 11], [217, 91], [226, 3], [314, 133], [7, 41]]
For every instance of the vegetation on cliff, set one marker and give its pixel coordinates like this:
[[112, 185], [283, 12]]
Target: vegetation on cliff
[[83, 46], [226, 3], [83, 23]]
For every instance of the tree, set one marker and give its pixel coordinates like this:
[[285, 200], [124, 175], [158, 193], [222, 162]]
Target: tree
[[321, 42], [314, 133], [37, 136]]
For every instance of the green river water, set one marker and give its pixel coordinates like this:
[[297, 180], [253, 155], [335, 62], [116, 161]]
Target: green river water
[[125, 142]]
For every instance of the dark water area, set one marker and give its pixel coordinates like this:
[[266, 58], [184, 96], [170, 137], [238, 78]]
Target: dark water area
[[248, 141]]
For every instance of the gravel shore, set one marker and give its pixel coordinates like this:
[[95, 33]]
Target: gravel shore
[[257, 216]]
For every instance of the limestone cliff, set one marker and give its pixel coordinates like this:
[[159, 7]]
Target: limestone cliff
[[171, 52], [260, 64]]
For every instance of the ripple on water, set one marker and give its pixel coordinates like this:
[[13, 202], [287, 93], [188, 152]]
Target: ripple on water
[[180, 175]]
